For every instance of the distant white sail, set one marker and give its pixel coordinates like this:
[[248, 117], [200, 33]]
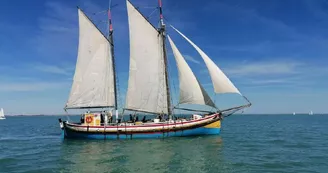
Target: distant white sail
[[2, 114], [93, 84], [147, 86], [221, 82], [191, 91]]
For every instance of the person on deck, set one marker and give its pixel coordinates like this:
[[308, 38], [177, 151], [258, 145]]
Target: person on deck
[[102, 118], [134, 118], [82, 119], [131, 118], [110, 117]]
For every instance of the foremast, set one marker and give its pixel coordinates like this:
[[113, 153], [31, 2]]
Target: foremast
[[162, 33]]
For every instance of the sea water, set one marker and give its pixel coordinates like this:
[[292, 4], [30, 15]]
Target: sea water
[[247, 143]]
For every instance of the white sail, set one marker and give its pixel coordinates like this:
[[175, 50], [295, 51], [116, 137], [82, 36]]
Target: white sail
[[221, 82], [93, 84], [147, 87], [2, 114], [191, 91]]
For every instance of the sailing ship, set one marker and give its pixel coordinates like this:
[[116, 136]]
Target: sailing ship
[[95, 87], [310, 113], [2, 114]]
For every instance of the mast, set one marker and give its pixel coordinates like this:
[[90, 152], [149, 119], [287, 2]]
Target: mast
[[110, 38], [162, 33]]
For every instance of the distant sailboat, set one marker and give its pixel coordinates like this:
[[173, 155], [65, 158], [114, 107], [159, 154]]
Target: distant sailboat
[[294, 113], [2, 114], [311, 113], [94, 85]]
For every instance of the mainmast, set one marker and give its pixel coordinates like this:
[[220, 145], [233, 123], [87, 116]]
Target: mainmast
[[110, 38], [162, 32]]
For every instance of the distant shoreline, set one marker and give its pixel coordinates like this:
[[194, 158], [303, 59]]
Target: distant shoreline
[[19, 115]]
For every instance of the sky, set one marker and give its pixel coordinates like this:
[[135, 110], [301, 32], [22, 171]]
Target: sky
[[274, 51]]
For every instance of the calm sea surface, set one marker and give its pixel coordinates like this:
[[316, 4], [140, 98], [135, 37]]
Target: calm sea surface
[[248, 143]]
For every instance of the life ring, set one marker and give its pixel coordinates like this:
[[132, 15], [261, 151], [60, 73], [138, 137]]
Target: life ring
[[89, 119]]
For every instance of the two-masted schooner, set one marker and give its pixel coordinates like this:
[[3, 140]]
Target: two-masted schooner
[[94, 85]]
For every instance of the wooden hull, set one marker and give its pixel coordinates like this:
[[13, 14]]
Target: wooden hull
[[209, 125]]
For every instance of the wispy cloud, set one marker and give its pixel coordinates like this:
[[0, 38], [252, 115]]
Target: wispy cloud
[[271, 81], [244, 14], [317, 8], [274, 82], [276, 73], [191, 59], [264, 68], [33, 69], [263, 33], [256, 47], [32, 86], [57, 32], [53, 69]]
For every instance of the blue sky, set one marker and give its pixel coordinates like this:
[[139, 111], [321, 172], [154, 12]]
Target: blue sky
[[275, 52]]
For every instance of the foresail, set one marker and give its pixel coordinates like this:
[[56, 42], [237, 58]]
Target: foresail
[[93, 84], [191, 91], [146, 87], [221, 82]]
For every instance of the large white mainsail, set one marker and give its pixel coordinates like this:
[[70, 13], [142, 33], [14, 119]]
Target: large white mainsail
[[221, 82], [147, 86], [93, 84], [191, 91]]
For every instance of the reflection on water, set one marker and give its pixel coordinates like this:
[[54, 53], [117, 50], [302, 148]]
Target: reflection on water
[[168, 155]]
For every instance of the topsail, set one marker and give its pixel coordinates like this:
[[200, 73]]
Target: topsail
[[93, 84]]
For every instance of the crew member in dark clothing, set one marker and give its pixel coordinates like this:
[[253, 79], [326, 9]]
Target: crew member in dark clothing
[[131, 118], [144, 119], [82, 119], [102, 118]]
